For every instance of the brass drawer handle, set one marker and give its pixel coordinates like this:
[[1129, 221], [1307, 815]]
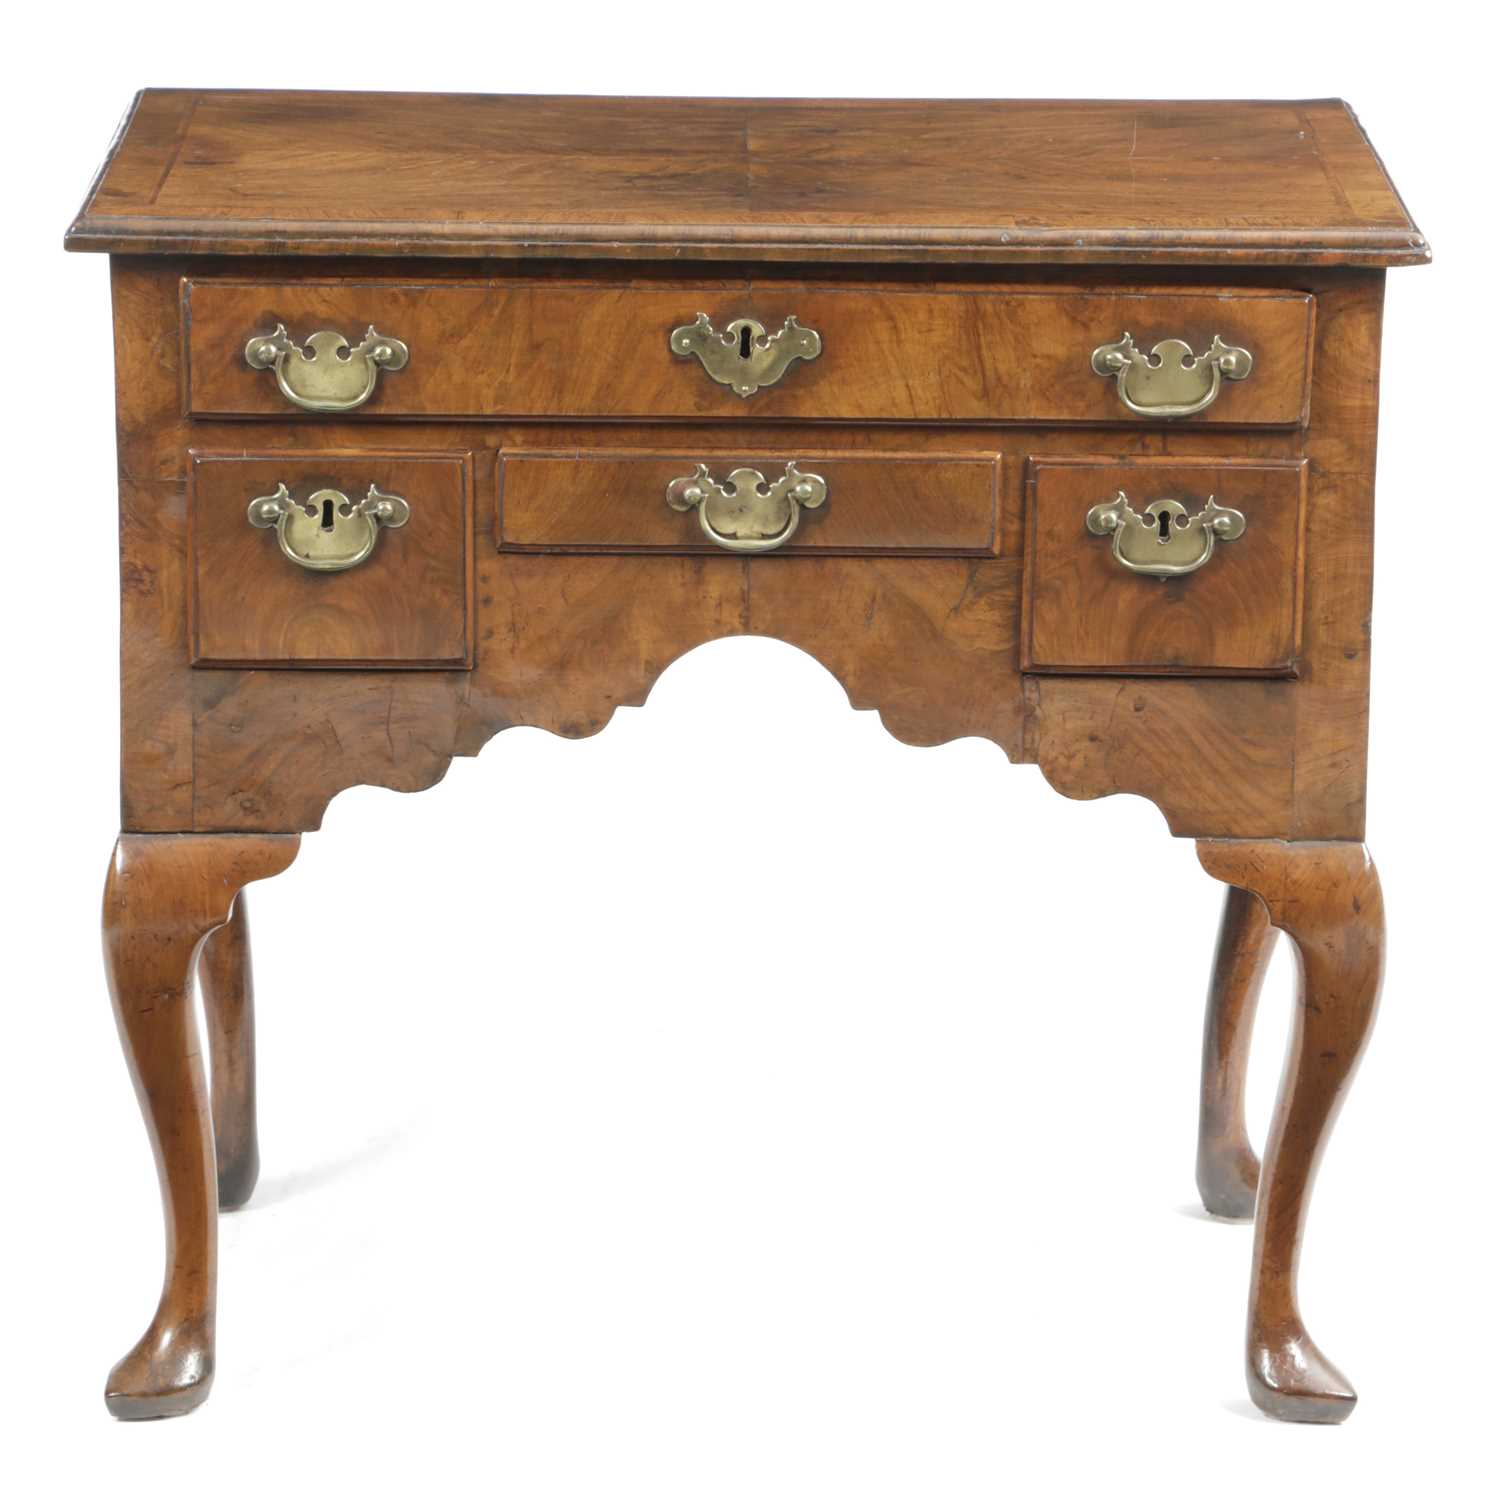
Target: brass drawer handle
[[1165, 541], [749, 515], [745, 357], [328, 533], [326, 378], [1170, 381]]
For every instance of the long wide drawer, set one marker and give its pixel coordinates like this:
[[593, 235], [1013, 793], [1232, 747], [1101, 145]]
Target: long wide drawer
[[691, 500], [505, 349]]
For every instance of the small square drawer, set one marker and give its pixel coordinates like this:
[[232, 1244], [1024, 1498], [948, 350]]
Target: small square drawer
[[744, 501], [331, 559], [1163, 566]]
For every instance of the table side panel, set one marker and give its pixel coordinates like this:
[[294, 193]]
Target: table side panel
[[1336, 645]]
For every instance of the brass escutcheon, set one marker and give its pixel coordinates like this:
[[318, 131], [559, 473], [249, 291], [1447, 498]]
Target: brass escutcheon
[[748, 515], [328, 533], [1166, 540], [1170, 381], [745, 357], [333, 376]]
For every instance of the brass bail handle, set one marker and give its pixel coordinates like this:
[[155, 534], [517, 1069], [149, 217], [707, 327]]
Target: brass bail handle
[[328, 374], [745, 513], [328, 533], [1164, 541], [1170, 381]]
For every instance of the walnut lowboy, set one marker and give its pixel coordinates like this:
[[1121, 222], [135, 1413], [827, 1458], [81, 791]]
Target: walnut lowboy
[[1102, 495]]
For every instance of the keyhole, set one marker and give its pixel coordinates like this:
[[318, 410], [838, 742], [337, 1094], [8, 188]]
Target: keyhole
[[328, 515], [745, 341], [1164, 520]]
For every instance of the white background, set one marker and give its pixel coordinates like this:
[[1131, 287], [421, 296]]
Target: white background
[[566, 1194]]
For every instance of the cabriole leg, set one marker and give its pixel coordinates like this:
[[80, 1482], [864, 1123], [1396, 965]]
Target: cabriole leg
[[164, 894], [1226, 1169], [225, 973], [1326, 896]]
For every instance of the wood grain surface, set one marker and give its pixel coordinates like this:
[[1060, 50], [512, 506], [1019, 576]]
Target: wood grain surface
[[162, 898], [273, 172], [1290, 755], [226, 977], [515, 349], [961, 261], [409, 604], [1226, 1167], [1238, 613], [605, 501], [1328, 899]]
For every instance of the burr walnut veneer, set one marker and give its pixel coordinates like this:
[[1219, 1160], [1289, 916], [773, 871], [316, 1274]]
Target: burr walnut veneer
[[1048, 422]]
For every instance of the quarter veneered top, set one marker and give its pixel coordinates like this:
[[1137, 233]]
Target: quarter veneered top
[[233, 172]]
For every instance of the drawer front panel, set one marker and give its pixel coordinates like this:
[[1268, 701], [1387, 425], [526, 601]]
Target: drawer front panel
[[1237, 612], [407, 603], [560, 350], [874, 502]]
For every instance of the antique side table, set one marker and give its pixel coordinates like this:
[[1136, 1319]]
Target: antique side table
[[1049, 422]]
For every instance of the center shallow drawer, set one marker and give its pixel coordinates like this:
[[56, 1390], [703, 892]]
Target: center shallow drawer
[[801, 500], [506, 349]]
